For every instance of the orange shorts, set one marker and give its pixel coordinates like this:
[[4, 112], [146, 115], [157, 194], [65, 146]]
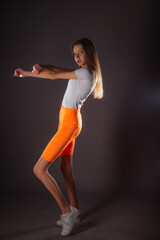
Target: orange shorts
[[62, 143]]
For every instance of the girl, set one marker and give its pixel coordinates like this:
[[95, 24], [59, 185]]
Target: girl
[[83, 81]]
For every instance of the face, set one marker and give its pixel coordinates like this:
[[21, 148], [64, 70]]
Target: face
[[80, 56]]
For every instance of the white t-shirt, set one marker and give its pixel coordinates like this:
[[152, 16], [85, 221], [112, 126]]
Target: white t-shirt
[[79, 89]]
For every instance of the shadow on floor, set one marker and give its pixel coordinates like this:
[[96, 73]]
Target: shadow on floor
[[102, 217]]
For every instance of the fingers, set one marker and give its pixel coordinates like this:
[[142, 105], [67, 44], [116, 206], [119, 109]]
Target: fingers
[[18, 73], [37, 69], [21, 73]]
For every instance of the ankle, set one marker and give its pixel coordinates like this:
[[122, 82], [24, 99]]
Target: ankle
[[65, 210], [74, 205]]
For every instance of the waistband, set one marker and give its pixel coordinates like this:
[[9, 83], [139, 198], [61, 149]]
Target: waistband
[[70, 116], [70, 110]]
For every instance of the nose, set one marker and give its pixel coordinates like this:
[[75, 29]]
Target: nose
[[77, 56]]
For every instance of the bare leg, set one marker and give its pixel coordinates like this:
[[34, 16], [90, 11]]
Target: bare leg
[[41, 172], [67, 171]]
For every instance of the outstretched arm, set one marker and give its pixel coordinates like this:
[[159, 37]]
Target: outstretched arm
[[53, 70], [37, 68], [48, 71]]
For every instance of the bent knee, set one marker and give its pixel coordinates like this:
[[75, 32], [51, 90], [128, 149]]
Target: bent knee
[[35, 170], [41, 167], [38, 171]]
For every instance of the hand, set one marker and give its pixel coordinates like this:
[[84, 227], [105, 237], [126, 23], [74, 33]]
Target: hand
[[37, 69], [19, 73]]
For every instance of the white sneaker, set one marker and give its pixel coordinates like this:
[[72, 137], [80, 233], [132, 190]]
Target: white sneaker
[[59, 222], [68, 221]]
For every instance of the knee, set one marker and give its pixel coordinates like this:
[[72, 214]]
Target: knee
[[66, 170], [38, 171]]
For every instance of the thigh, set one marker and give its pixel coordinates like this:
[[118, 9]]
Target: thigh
[[58, 143]]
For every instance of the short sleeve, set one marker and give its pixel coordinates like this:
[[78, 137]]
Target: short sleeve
[[84, 74]]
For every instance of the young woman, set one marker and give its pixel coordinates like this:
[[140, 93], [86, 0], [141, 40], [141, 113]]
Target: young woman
[[83, 81]]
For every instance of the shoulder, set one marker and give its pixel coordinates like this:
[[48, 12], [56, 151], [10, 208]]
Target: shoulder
[[84, 73]]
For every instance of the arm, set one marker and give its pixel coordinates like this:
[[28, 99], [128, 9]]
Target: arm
[[37, 68], [54, 72], [49, 74], [50, 68]]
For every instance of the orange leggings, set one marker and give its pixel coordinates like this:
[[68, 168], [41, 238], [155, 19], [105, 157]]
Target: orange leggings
[[62, 143]]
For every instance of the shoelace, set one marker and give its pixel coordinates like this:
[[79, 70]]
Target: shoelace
[[64, 221]]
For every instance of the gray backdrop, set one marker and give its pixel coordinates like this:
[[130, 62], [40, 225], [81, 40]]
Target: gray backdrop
[[118, 148]]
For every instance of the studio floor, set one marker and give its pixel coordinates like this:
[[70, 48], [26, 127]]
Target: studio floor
[[33, 217]]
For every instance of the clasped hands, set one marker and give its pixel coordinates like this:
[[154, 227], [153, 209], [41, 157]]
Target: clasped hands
[[19, 72]]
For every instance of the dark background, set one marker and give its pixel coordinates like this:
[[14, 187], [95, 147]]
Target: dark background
[[118, 148], [117, 155]]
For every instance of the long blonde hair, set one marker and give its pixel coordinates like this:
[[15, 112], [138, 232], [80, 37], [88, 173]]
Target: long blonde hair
[[94, 64]]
